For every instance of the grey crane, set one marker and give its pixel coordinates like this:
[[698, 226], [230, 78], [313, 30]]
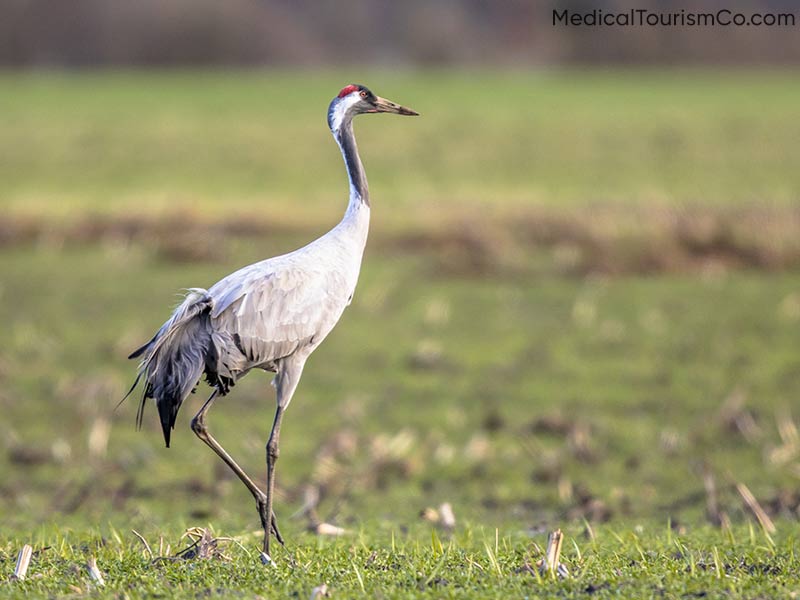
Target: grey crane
[[270, 315]]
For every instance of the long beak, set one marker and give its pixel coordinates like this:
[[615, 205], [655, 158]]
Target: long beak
[[387, 106]]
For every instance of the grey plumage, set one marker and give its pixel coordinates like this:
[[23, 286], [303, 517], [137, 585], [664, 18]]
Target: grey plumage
[[175, 358], [270, 315]]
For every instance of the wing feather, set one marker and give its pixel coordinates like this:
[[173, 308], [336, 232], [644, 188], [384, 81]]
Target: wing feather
[[268, 310]]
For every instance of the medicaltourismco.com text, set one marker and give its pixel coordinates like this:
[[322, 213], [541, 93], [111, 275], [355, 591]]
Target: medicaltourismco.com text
[[643, 17]]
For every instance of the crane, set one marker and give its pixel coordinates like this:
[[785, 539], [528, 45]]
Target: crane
[[270, 315]]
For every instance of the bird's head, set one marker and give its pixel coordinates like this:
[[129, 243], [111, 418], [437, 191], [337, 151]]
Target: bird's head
[[357, 99]]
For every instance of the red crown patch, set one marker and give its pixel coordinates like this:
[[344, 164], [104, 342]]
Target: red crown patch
[[347, 90]]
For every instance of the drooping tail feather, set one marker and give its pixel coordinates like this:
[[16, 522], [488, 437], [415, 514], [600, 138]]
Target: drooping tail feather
[[173, 361]]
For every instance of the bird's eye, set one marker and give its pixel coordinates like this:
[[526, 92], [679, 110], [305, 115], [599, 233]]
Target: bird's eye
[[363, 94]]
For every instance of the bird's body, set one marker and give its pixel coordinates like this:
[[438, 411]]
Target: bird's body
[[285, 306], [270, 315]]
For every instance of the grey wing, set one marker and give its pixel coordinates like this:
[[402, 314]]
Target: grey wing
[[264, 313]]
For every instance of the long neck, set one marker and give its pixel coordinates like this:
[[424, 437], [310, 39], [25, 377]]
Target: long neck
[[359, 190]]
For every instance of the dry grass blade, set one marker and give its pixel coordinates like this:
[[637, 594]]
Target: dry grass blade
[[550, 563], [790, 439], [94, 572], [752, 504], [203, 545], [327, 529], [144, 541], [737, 418], [23, 561], [588, 531], [787, 429], [321, 591], [712, 498]]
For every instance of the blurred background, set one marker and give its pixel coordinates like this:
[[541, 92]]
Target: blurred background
[[516, 33], [580, 299]]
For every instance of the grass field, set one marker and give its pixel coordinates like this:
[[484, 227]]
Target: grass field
[[490, 359], [247, 142]]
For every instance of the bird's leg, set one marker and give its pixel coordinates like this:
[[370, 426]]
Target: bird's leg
[[273, 451], [286, 380], [201, 430]]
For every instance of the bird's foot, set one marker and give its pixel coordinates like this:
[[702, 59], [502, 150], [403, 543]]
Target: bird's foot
[[272, 524], [266, 559]]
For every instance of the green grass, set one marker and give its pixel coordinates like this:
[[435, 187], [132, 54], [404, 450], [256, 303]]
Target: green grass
[[383, 563], [257, 141], [636, 362], [527, 399]]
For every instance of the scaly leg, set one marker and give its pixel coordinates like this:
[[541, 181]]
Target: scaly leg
[[286, 380], [273, 451], [264, 508]]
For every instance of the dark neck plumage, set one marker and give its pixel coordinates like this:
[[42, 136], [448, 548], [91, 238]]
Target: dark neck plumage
[[359, 190]]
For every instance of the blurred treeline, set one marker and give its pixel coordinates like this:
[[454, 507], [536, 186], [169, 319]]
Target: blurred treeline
[[87, 33]]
